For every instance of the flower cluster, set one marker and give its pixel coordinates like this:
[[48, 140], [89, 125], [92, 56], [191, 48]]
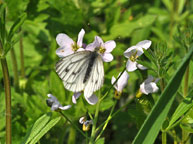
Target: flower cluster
[[68, 47], [132, 53]]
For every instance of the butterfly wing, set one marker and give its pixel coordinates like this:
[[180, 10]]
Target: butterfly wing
[[72, 69], [96, 78]]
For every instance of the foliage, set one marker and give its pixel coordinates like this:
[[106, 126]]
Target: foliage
[[28, 31]]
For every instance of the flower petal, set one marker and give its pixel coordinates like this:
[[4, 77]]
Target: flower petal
[[99, 41], [122, 82], [75, 97], [80, 37], [65, 107], [64, 40], [128, 53], [107, 57], [109, 46], [148, 88], [82, 120], [64, 51], [55, 106], [81, 49], [93, 99], [131, 66], [141, 67], [144, 44], [112, 82], [149, 79]]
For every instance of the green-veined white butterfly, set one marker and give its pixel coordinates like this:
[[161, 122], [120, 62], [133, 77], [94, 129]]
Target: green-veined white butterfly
[[80, 71]]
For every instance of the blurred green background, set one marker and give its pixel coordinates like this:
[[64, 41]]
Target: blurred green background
[[125, 21]]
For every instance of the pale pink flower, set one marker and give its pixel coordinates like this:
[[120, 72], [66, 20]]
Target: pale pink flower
[[122, 81], [133, 53], [104, 49], [53, 102], [67, 45], [149, 85]]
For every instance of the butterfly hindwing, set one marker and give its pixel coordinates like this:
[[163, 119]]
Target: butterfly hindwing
[[96, 78]]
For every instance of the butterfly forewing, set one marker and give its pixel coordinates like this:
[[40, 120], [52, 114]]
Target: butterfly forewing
[[80, 71]]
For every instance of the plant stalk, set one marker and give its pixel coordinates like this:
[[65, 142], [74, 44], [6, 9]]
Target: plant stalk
[[15, 68], [22, 58], [164, 137], [93, 133], [72, 136], [72, 124], [7, 99]]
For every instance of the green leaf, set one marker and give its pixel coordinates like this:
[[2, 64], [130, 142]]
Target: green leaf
[[48, 126], [181, 4], [12, 31], [2, 22], [100, 141], [16, 25], [152, 125], [37, 127], [182, 109], [126, 28], [187, 128]]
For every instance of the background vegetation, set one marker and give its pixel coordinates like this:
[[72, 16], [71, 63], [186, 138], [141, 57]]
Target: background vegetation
[[31, 60]]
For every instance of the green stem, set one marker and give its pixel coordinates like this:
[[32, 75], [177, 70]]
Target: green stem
[[7, 99], [186, 81], [15, 69], [93, 133], [107, 121], [164, 137], [72, 136], [72, 124], [22, 58], [115, 113]]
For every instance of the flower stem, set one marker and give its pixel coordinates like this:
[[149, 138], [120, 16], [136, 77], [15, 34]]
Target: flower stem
[[93, 133], [15, 68], [72, 124], [107, 121], [72, 136], [22, 58], [7, 99], [164, 138], [115, 113]]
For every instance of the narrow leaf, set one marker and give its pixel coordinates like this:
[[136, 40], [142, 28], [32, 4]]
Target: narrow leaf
[[16, 25], [182, 108], [37, 127], [45, 130], [152, 125]]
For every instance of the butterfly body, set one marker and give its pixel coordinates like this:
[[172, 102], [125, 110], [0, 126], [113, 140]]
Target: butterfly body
[[81, 71]]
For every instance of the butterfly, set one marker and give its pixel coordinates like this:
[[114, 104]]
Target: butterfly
[[81, 71]]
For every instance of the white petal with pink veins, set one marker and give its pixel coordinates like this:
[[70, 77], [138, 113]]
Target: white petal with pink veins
[[80, 37], [64, 40], [64, 51], [131, 66], [144, 44], [107, 57], [109, 46]]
